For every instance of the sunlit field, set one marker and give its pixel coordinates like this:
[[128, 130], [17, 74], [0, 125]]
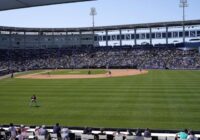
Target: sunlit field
[[159, 99]]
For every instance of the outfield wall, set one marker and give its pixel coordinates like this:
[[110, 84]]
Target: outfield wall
[[4, 72]]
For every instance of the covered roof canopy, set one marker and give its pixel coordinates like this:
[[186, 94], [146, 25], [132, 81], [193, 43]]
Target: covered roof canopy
[[104, 28], [16, 4]]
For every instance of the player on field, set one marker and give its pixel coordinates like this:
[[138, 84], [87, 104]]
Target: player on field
[[33, 100]]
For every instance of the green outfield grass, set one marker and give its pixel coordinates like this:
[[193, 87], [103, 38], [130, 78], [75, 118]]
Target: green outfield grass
[[75, 72], [159, 99], [28, 72]]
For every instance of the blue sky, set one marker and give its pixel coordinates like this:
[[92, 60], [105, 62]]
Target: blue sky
[[110, 12]]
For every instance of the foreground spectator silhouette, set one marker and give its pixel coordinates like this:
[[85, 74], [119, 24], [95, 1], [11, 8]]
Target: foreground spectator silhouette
[[13, 131], [147, 133], [182, 135], [57, 130]]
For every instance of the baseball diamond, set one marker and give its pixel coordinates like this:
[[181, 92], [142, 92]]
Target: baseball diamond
[[117, 82]]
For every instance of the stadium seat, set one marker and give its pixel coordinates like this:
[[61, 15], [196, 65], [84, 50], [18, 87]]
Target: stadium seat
[[30, 135], [118, 137], [41, 137], [139, 138], [3, 135], [162, 137], [63, 136], [102, 137], [145, 138], [130, 137], [170, 138], [87, 137], [77, 136], [53, 136]]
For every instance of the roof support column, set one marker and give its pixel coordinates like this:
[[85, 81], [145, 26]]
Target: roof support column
[[106, 37], [10, 43], [120, 37], [66, 37], [40, 39], [24, 39], [10, 51], [80, 33], [54, 39], [167, 41], [93, 37], [150, 35], [135, 39]]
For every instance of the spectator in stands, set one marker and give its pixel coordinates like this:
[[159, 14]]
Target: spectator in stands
[[2, 133], [57, 130], [43, 131], [65, 133], [102, 131], [19, 135], [118, 135], [182, 135], [147, 133], [191, 136], [138, 132], [86, 130], [89, 131], [13, 132], [36, 133], [23, 131], [130, 133], [143, 58], [117, 132]]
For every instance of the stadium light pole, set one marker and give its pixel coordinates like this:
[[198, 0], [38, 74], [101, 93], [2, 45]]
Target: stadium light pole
[[93, 13], [183, 4]]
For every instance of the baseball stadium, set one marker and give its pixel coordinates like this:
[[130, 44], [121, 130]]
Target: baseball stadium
[[136, 81]]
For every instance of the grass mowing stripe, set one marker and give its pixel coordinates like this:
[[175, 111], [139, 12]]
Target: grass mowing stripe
[[159, 99]]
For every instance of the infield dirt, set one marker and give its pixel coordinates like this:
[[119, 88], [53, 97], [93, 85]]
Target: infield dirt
[[114, 73]]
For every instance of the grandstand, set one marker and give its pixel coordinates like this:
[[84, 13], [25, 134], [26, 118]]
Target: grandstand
[[44, 48], [146, 46]]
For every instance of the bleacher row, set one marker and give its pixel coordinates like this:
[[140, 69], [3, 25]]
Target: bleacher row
[[160, 57], [94, 135]]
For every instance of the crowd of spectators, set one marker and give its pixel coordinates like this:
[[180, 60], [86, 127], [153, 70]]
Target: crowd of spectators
[[100, 57], [38, 133], [62, 133]]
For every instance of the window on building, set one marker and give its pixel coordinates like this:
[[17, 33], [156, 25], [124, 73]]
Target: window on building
[[153, 35], [169, 34], [192, 33], [180, 34], [163, 35], [198, 33], [147, 35], [132, 36]]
